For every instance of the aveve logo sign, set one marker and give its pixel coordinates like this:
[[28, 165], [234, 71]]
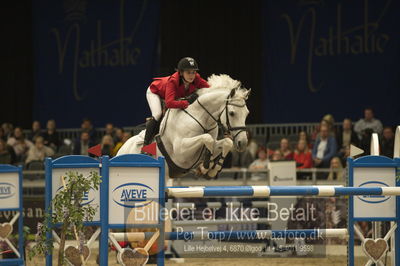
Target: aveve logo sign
[[373, 198], [7, 190], [87, 198], [133, 195]]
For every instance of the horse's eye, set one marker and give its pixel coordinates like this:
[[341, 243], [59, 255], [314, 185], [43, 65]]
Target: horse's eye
[[231, 113]]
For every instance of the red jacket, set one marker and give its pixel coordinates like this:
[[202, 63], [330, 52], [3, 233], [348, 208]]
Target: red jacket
[[304, 158], [171, 88]]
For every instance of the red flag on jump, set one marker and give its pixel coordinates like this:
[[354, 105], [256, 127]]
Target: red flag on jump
[[96, 150], [150, 149]]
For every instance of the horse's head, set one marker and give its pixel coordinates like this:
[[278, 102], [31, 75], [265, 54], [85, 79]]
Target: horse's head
[[229, 101], [234, 117]]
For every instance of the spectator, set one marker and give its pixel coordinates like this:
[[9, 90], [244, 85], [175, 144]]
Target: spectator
[[88, 127], [344, 154], [119, 134], [39, 151], [66, 148], [277, 156], [107, 145], [387, 142], [51, 137], [259, 164], [317, 129], [304, 136], [324, 148], [19, 144], [252, 145], [336, 171], [110, 130], [302, 155], [330, 121], [365, 142], [6, 157], [369, 121], [8, 129], [346, 136], [329, 118], [36, 130], [366, 228], [82, 144], [125, 137], [284, 149]]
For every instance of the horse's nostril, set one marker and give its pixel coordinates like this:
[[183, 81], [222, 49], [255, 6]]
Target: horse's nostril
[[239, 144]]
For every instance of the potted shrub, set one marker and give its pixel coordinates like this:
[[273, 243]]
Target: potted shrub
[[68, 211]]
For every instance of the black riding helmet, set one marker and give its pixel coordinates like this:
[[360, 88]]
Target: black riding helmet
[[187, 63]]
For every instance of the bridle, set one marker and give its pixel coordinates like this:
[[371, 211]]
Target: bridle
[[230, 128], [226, 130]]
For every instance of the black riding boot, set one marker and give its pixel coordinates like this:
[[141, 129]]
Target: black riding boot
[[151, 131]]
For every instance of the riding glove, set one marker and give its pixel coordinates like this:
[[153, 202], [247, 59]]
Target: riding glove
[[192, 98]]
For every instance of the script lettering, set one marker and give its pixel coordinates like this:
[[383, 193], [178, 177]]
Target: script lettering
[[362, 39], [115, 53]]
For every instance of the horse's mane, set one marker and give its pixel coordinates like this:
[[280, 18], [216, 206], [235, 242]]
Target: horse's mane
[[220, 82]]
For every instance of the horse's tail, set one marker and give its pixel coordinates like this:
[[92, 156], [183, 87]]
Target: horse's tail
[[133, 144]]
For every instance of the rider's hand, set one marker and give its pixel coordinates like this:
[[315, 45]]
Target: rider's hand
[[192, 97], [185, 105]]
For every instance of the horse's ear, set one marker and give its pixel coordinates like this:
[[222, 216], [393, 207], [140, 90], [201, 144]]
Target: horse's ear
[[246, 94], [233, 91]]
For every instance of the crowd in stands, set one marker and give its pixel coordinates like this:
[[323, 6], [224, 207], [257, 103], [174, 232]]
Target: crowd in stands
[[31, 147], [327, 146]]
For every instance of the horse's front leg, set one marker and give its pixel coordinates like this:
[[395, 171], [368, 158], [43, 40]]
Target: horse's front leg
[[221, 149], [186, 147]]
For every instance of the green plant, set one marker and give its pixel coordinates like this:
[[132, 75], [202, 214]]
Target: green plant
[[68, 211]]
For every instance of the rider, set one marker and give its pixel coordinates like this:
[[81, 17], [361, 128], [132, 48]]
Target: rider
[[183, 83]]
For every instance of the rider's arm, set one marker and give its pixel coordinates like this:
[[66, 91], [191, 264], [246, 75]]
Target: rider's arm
[[170, 94], [201, 83]]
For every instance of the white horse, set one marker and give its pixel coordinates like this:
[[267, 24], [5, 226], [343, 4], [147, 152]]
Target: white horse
[[188, 138]]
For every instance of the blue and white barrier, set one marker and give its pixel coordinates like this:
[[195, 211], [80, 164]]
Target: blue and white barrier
[[126, 181], [364, 173], [11, 200], [57, 168], [131, 182], [266, 191]]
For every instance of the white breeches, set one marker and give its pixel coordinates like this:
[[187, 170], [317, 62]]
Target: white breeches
[[154, 103]]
